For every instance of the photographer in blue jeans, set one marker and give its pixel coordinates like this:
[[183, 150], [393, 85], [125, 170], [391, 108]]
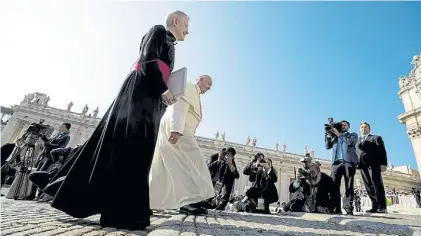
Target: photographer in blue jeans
[[344, 164]]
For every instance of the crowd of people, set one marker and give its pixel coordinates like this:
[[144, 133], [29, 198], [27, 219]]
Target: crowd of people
[[145, 144]]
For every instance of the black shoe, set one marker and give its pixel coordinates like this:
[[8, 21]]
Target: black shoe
[[45, 198], [189, 210], [383, 210], [372, 210], [349, 213], [337, 210], [202, 211]]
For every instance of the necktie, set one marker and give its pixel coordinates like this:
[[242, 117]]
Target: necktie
[[363, 138]]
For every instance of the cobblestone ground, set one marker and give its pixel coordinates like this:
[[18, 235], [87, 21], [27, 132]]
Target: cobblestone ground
[[22, 218]]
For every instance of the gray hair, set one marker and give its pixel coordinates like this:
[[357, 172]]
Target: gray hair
[[170, 17]]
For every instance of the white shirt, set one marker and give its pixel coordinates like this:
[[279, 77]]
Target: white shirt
[[364, 137]]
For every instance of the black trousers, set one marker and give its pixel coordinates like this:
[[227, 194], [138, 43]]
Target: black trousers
[[39, 178], [224, 196], [373, 182], [295, 205], [347, 170], [358, 207]]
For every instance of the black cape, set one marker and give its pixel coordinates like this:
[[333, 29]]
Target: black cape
[[119, 153]]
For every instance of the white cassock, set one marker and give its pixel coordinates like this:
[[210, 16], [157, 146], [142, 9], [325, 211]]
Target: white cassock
[[179, 175]]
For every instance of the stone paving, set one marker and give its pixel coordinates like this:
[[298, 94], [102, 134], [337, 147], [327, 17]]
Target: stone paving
[[22, 218]]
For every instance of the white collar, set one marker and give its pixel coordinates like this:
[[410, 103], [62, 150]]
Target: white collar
[[198, 88]]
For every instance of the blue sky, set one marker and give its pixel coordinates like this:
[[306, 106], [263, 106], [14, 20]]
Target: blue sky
[[279, 68], [285, 67]]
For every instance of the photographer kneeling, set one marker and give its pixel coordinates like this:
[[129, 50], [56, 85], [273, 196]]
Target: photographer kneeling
[[58, 141], [318, 190], [42, 178], [263, 191], [223, 172]]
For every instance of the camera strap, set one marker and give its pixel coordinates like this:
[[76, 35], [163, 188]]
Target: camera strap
[[218, 187]]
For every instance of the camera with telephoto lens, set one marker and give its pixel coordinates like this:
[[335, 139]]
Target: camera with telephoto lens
[[330, 125], [34, 132]]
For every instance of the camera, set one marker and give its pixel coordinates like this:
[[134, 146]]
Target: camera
[[34, 132], [303, 173], [330, 125], [245, 205], [230, 151], [260, 158]]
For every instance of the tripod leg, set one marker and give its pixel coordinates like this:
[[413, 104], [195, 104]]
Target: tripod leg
[[23, 180], [30, 190]]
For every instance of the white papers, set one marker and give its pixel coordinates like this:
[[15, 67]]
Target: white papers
[[177, 82]]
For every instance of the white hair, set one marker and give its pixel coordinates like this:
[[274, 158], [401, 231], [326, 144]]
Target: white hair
[[170, 17]]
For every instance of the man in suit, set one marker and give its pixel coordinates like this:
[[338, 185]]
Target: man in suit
[[344, 164], [373, 161]]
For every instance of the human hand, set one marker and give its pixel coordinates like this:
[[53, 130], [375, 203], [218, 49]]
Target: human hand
[[256, 164], [335, 131], [168, 98], [174, 136], [264, 165], [220, 156], [383, 168], [229, 159]]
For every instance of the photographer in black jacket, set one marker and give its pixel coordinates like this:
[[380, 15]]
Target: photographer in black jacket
[[263, 192], [318, 189], [58, 141], [42, 178], [223, 173]]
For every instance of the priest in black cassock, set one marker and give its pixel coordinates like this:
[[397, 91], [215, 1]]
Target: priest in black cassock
[[120, 151]]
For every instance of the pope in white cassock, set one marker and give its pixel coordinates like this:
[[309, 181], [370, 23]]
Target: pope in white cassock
[[179, 176]]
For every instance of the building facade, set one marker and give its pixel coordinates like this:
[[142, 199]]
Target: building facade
[[410, 94], [35, 107]]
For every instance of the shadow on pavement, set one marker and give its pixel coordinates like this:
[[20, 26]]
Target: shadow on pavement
[[225, 223]]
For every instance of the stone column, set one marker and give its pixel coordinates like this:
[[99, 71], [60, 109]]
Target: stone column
[[416, 145], [284, 189], [9, 132], [239, 186]]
